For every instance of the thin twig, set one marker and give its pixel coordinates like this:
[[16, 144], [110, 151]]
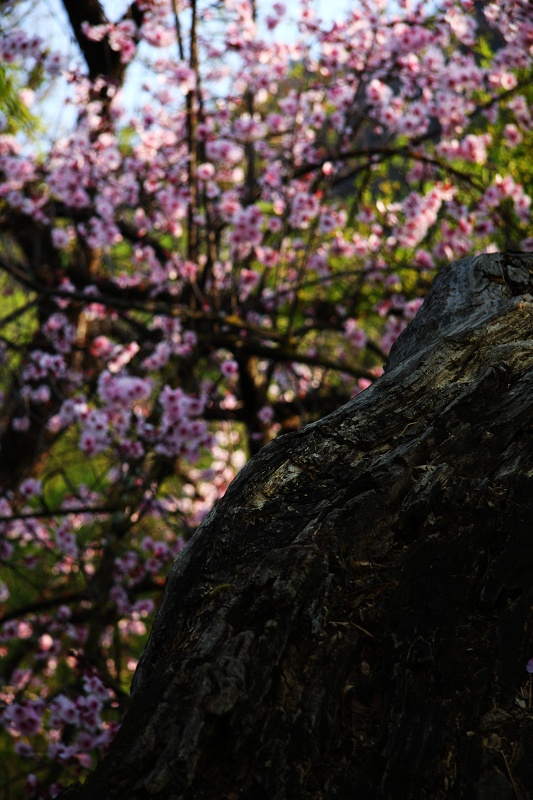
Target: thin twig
[[515, 787]]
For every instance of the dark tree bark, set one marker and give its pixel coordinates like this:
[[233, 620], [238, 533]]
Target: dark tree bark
[[100, 58], [354, 618]]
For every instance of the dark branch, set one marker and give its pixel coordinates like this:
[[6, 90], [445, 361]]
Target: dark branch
[[100, 58]]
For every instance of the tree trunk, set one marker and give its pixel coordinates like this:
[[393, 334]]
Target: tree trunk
[[353, 619]]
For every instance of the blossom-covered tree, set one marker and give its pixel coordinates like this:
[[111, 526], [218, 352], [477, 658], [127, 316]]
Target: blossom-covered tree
[[190, 272]]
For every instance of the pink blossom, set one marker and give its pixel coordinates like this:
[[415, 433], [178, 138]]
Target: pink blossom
[[91, 444], [60, 332], [423, 259], [304, 208], [30, 488], [265, 415], [94, 686], [66, 542], [328, 222], [248, 280], [267, 256], [42, 394], [229, 368], [94, 32], [102, 347], [177, 433], [512, 135], [463, 26], [411, 308], [356, 336], [156, 34], [395, 325], [224, 150], [46, 643], [20, 424], [64, 711], [184, 77], [205, 171], [24, 718], [472, 148], [518, 105], [378, 92], [123, 390], [246, 231]]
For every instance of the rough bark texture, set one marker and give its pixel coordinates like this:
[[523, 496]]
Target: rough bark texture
[[354, 618]]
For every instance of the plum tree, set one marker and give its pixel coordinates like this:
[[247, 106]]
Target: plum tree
[[215, 257]]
